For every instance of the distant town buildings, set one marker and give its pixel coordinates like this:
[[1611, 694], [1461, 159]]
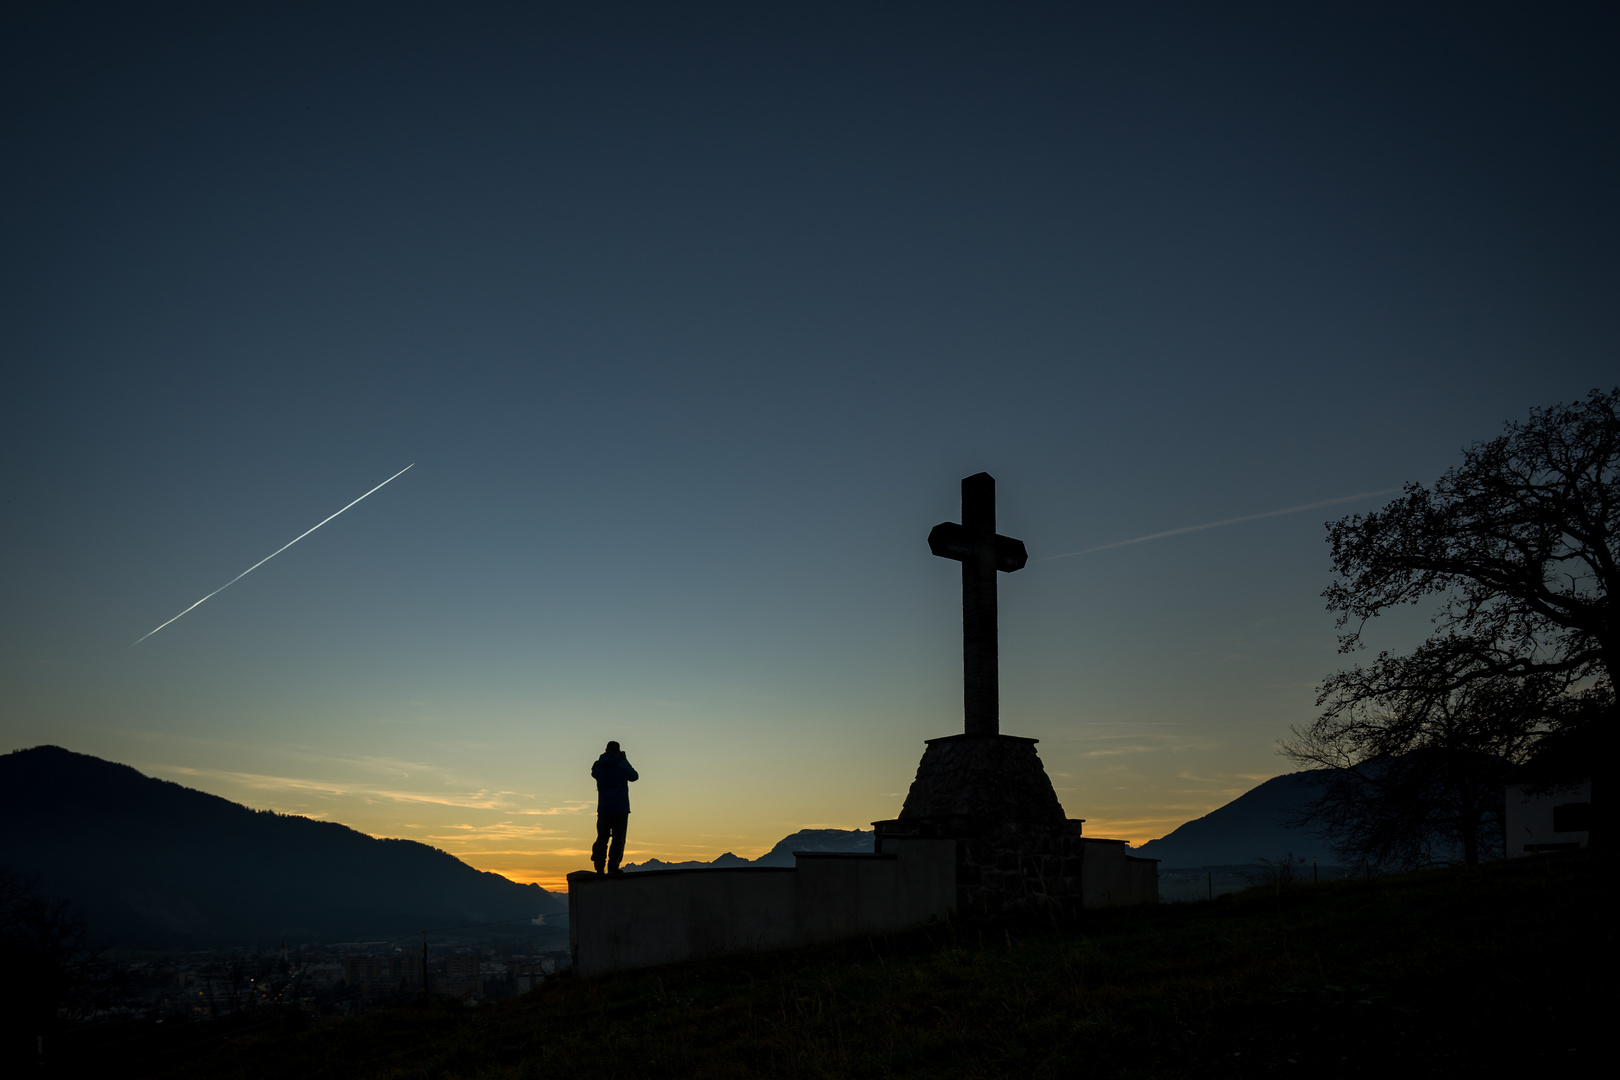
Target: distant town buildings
[[321, 980]]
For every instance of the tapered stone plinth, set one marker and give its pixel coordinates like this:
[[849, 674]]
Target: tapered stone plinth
[[983, 783], [990, 793]]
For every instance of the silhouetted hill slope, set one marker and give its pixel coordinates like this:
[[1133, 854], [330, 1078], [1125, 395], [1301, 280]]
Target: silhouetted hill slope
[[780, 855], [1245, 830], [816, 840], [157, 865]]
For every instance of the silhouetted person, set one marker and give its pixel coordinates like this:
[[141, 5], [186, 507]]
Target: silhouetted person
[[613, 774]]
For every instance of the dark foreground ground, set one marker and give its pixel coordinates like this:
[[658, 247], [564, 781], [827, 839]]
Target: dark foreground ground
[[1467, 972]]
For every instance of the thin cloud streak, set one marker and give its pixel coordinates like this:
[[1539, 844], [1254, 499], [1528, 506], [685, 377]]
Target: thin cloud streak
[[500, 801], [272, 555], [504, 830], [1218, 524]]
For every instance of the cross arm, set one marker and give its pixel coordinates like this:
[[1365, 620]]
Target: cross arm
[[950, 540], [1010, 554]]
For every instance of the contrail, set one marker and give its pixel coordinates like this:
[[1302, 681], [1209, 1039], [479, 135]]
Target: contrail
[[1218, 524], [272, 555]]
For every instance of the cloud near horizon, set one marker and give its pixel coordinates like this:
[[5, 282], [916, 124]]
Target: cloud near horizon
[[501, 801]]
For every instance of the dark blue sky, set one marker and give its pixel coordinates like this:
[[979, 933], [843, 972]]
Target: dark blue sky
[[692, 317]]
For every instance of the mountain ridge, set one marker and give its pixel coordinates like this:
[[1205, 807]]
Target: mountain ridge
[[155, 864], [1249, 828], [1239, 833], [836, 840]]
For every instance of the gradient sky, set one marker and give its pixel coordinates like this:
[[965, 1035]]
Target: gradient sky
[[692, 318]]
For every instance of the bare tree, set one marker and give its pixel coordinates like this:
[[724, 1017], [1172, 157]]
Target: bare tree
[[1415, 755], [1519, 543], [46, 954], [1518, 549]]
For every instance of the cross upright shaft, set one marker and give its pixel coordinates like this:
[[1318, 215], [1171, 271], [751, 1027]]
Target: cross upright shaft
[[982, 552]]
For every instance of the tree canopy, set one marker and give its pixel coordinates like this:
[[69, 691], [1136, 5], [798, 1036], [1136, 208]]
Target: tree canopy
[[1519, 541], [1516, 548]]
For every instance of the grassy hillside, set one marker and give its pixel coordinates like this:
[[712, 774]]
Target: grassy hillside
[[1443, 973]]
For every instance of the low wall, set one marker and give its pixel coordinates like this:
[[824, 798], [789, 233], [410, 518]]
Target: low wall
[[1008, 870], [1111, 878], [654, 917]]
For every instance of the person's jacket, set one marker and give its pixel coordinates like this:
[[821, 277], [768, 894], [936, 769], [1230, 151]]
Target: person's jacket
[[613, 774]]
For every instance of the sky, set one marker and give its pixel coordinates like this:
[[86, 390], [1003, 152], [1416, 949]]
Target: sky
[[691, 318]]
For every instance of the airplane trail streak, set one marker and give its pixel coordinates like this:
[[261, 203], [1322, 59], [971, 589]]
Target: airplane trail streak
[[1218, 524], [272, 555]]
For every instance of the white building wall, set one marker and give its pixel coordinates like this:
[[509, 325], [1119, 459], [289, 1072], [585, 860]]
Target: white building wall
[[1532, 819]]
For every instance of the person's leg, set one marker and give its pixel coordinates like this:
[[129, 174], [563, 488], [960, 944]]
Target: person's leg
[[616, 852], [604, 823]]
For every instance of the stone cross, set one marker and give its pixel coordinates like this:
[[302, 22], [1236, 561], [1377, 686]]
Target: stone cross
[[975, 544]]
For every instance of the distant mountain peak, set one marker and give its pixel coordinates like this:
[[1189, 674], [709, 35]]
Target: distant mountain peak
[[850, 840], [1249, 828]]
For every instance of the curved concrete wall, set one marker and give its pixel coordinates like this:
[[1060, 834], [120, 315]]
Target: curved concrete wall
[[665, 916]]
